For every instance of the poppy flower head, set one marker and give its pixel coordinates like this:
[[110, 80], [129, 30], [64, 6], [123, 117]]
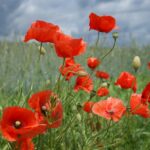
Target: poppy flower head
[[137, 107], [102, 75], [84, 83], [102, 91], [19, 123], [70, 68], [41, 31], [146, 94], [87, 106], [66, 46], [48, 108], [40, 100], [126, 81], [93, 62], [102, 23], [111, 109]]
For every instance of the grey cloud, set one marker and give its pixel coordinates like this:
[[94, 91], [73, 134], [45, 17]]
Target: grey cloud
[[6, 9], [132, 15]]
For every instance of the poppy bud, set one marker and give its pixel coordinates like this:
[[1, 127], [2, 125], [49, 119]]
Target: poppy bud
[[136, 63], [74, 108], [115, 35], [104, 84], [79, 117], [1, 108], [82, 73], [42, 50], [48, 82]]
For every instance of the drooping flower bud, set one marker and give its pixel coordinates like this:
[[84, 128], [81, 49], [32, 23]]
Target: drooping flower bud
[[81, 73], [136, 63], [42, 50], [104, 84], [115, 35]]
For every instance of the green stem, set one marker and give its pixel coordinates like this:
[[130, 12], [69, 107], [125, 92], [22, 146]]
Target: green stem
[[50, 139], [58, 81], [98, 35], [96, 43], [107, 130], [40, 50], [109, 50], [39, 141], [11, 146]]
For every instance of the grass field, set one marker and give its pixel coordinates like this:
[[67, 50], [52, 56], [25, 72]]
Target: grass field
[[22, 73]]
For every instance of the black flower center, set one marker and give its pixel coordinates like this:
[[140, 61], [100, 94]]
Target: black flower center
[[110, 112], [17, 124], [44, 110]]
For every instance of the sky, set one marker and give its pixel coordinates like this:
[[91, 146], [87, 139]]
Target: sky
[[133, 17]]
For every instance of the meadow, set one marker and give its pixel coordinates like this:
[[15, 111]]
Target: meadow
[[22, 73]]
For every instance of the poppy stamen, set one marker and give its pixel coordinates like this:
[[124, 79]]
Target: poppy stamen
[[111, 112], [17, 124], [44, 110]]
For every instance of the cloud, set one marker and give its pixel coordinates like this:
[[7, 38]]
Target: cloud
[[7, 8], [72, 16], [53, 11]]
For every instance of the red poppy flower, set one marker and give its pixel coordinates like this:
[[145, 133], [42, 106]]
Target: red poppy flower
[[84, 83], [41, 31], [126, 80], [146, 94], [70, 68], [93, 62], [48, 108], [25, 144], [137, 107], [102, 74], [87, 107], [102, 23], [148, 65], [20, 123], [66, 46], [112, 108], [102, 91]]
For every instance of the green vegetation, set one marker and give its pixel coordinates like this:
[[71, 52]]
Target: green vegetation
[[22, 73]]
